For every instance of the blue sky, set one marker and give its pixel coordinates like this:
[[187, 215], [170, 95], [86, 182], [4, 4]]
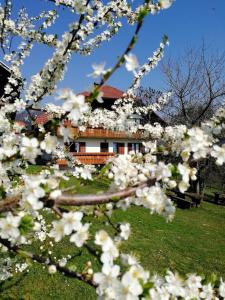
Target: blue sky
[[186, 23]]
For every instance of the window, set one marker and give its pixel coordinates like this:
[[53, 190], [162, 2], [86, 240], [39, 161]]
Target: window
[[115, 150], [73, 147], [119, 148], [130, 147], [142, 148], [82, 147], [136, 147], [104, 147]]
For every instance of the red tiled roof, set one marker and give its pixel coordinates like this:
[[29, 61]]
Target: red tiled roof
[[109, 92], [42, 119]]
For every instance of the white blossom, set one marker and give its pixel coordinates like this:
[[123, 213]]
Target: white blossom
[[29, 148], [99, 69], [52, 269], [132, 63], [9, 227], [49, 143], [219, 153], [81, 236]]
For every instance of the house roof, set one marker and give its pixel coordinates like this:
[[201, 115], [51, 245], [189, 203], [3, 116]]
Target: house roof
[[42, 119], [4, 66], [109, 92]]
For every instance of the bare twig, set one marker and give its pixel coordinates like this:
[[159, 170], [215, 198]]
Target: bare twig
[[110, 222], [9, 203], [46, 261], [129, 47]]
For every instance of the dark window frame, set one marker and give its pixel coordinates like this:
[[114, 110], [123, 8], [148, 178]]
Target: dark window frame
[[104, 147]]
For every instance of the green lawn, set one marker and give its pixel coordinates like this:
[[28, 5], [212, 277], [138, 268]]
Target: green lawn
[[193, 242]]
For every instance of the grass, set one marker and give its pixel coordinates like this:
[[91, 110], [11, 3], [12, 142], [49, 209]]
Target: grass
[[193, 242]]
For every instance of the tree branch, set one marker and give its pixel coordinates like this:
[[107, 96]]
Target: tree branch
[[77, 200], [46, 261], [93, 199]]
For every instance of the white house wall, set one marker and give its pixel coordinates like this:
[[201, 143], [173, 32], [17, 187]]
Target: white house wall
[[93, 145]]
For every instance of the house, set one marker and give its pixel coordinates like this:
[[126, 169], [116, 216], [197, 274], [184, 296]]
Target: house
[[97, 145], [94, 145], [5, 73]]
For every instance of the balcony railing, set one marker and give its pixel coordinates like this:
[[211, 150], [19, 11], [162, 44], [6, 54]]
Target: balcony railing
[[102, 133], [89, 158]]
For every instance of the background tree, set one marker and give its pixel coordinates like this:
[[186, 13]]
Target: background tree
[[197, 80], [148, 97]]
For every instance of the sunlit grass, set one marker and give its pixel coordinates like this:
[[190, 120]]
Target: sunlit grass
[[193, 242]]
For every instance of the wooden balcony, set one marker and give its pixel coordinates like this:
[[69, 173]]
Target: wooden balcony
[[89, 158], [102, 133]]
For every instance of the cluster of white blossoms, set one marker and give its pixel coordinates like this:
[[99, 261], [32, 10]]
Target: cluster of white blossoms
[[8, 267], [133, 169], [155, 199], [33, 191], [133, 282], [132, 65], [74, 104], [40, 228], [219, 153], [157, 106], [27, 198], [95, 42], [83, 172], [193, 287], [54, 111], [70, 224], [9, 227], [24, 26]]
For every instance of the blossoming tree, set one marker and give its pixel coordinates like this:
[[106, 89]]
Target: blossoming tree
[[136, 179]]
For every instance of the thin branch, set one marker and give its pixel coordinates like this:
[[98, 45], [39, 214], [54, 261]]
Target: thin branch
[[93, 199], [110, 222], [57, 211], [73, 39], [9, 203], [127, 50], [77, 200], [46, 261]]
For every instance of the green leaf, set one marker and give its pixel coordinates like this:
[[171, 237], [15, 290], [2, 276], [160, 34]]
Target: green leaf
[[26, 224], [212, 278], [161, 148], [104, 169], [146, 287], [2, 192], [73, 268], [142, 14], [45, 188], [175, 173], [94, 94]]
